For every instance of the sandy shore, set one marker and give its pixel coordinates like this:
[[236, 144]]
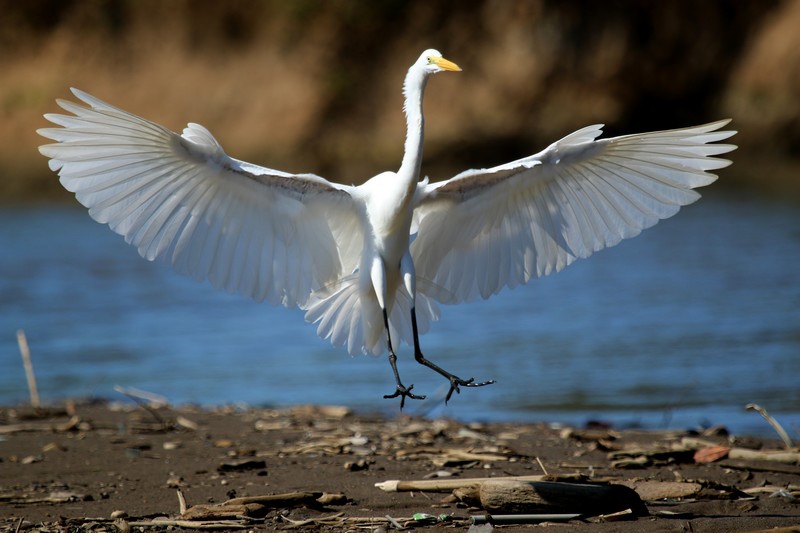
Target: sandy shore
[[111, 467]]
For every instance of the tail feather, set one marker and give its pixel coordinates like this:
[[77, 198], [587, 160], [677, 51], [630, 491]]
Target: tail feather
[[348, 314]]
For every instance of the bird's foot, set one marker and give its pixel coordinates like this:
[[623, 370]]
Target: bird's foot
[[456, 382], [404, 392]]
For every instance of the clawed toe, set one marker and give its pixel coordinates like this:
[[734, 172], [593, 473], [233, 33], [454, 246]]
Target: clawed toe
[[404, 392], [455, 382]]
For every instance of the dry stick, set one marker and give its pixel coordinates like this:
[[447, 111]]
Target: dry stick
[[136, 397], [772, 422], [276, 499], [443, 485], [26, 361]]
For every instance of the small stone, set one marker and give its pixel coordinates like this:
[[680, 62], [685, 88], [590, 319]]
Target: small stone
[[53, 446], [354, 466], [437, 474], [118, 514], [240, 466], [175, 482]]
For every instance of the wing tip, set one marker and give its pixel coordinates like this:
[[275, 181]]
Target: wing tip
[[82, 95]]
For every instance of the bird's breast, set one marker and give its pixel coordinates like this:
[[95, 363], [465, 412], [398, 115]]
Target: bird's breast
[[388, 208]]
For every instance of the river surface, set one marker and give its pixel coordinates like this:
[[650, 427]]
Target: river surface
[[679, 327]]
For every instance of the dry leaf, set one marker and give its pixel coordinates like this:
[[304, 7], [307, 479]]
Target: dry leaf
[[711, 454]]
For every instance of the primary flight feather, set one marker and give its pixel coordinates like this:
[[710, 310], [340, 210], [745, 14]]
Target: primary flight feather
[[344, 254]]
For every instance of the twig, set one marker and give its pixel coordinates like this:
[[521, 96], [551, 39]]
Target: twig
[[772, 422], [522, 518], [395, 523], [181, 502], [334, 519], [190, 524], [22, 341], [287, 498], [541, 465]]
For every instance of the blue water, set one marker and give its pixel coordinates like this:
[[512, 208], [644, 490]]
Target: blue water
[[677, 328]]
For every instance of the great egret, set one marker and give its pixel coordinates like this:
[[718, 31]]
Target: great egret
[[369, 263]]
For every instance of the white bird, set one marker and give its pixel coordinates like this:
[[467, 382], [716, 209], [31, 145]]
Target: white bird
[[369, 263]]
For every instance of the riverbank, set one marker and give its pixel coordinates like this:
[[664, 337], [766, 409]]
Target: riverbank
[[107, 466]]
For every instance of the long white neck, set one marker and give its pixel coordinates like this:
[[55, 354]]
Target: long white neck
[[413, 88]]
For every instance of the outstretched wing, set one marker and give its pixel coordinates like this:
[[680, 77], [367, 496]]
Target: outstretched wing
[[487, 229], [259, 232]]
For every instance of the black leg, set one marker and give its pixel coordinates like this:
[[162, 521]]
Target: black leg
[[455, 381], [402, 391]]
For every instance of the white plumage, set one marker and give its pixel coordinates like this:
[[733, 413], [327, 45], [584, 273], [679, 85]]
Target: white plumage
[[345, 254]]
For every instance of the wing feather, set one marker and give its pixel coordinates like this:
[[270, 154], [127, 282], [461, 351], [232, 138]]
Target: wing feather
[[484, 230], [264, 233]]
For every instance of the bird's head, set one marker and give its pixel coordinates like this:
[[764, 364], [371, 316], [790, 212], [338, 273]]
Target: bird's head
[[431, 62]]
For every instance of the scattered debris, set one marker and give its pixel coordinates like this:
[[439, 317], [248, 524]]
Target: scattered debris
[[252, 506]]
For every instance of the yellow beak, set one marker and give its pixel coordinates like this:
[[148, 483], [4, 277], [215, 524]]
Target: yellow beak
[[445, 64]]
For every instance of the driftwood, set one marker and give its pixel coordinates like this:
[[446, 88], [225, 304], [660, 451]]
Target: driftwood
[[514, 496], [788, 456], [222, 512], [249, 506]]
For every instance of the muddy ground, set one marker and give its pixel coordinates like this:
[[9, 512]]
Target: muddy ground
[[114, 467]]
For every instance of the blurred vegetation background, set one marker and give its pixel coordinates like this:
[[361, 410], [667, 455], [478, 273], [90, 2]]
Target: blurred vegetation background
[[315, 86]]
